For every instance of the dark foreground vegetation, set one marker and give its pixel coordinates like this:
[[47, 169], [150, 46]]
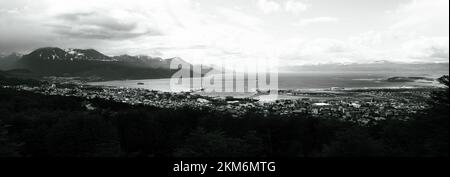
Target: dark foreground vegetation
[[34, 125]]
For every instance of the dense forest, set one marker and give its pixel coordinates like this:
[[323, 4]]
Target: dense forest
[[34, 125]]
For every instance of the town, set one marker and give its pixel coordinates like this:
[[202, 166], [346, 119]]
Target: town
[[362, 106]]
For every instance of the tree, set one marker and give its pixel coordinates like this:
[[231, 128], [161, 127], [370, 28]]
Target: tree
[[354, 142], [441, 97], [7, 147], [211, 144], [432, 127]]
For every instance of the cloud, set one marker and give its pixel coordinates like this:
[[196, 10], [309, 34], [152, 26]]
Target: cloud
[[423, 16], [295, 7], [310, 21], [240, 18], [95, 19], [325, 50], [427, 48], [290, 6], [98, 26], [268, 6], [213, 30], [417, 32]]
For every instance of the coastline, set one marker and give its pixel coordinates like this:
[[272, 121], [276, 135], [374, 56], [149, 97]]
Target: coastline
[[284, 94]]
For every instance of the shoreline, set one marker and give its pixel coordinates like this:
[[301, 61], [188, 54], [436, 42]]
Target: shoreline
[[328, 89], [282, 92], [163, 85]]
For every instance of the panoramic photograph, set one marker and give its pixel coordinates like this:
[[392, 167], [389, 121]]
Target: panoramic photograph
[[235, 79]]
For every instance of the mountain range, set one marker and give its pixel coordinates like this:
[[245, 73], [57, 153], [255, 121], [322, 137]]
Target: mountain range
[[53, 61], [375, 67], [8, 62], [89, 63]]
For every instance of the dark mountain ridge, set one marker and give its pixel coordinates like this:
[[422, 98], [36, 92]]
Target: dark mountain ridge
[[8, 62], [91, 63]]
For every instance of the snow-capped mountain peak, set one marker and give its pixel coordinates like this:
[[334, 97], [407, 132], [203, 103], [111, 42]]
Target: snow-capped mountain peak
[[51, 53]]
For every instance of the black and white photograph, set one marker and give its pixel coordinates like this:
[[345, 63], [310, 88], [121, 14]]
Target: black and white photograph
[[250, 81]]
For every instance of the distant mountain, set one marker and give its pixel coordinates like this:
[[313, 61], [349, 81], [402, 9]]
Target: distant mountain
[[91, 63], [8, 62], [53, 53], [375, 67], [177, 60], [142, 61]]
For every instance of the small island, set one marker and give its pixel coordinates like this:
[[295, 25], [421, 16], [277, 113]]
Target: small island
[[409, 79]]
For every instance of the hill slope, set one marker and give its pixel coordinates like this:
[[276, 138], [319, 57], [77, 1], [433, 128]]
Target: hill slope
[[91, 63]]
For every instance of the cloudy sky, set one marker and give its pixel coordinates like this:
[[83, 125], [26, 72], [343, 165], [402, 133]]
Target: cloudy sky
[[292, 31]]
